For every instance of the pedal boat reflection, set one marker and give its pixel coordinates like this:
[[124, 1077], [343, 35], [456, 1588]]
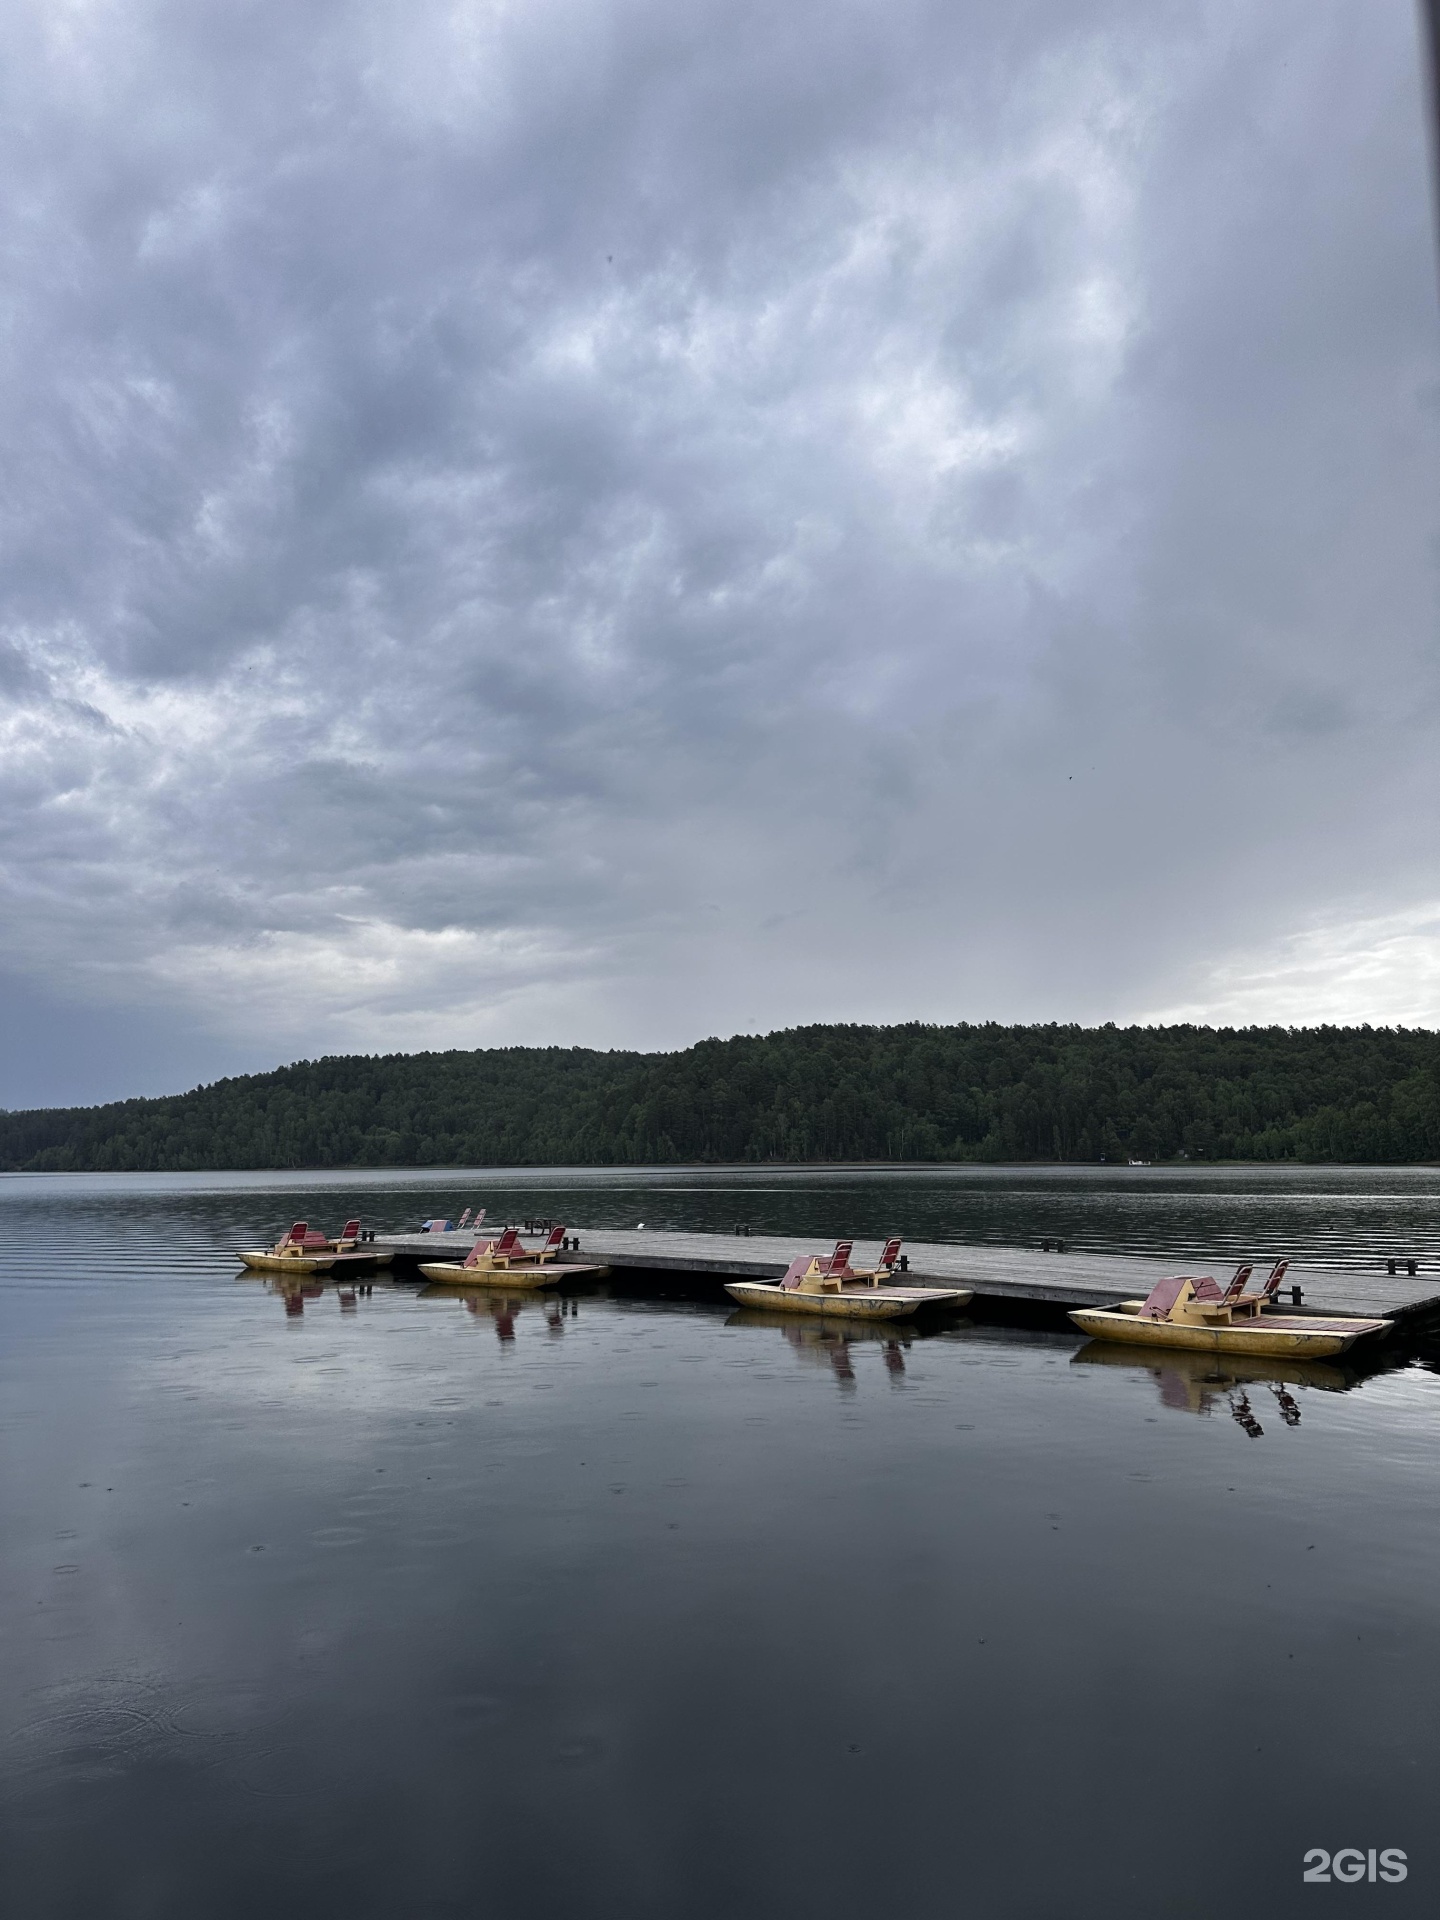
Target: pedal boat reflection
[[827, 1284], [1189, 1311], [1209, 1383], [831, 1342], [294, 1288], [501, 1305], [1186, 1379], [509, 1260]]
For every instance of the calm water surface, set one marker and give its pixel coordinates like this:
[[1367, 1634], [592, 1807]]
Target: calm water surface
[[416, 1605]]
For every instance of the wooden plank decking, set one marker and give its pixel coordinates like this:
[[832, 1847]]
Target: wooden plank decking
[[999, 1273]]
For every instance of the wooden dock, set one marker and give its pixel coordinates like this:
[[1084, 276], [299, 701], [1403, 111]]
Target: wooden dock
[[1018, 1276]]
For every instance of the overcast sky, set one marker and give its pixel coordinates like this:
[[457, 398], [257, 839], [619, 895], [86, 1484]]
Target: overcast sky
[[607, 521]]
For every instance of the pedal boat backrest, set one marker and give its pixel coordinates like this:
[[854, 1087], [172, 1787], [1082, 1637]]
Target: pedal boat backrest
[[883, 1267], [1275, 1276], [1251, 1303], [507, 1247], [820, 1272], [301, 1238], [350, 1231], [551, 1245], [1168, 1299], [1237, 1284]]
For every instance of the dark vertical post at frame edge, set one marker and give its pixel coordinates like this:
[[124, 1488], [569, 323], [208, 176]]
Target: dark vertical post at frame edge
[[1430, 55]]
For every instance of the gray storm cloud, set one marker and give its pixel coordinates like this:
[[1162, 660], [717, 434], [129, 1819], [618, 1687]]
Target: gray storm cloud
[[610, 523]]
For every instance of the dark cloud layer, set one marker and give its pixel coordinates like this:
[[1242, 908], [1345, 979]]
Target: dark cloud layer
[[614, 522]]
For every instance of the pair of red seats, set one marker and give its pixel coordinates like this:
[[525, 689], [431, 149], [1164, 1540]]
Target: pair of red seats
[[302, 1234], [1165, 1293], [836, 1266], [511, 1247]]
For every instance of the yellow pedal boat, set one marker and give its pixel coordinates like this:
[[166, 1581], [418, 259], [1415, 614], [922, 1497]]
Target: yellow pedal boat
[[827, 1284], [455, 1273], [306, 1250], [506, 1262], [1191, 1313], [280, 1260]]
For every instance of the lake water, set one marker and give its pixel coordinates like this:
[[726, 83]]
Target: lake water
[[611, 1606]]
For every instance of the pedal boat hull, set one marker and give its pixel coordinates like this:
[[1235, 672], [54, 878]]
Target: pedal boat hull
[[851, 1303], [267, 1260], [1270, 1336], [454, 1273]]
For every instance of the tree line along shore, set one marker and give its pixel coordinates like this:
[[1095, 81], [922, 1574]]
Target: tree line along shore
[[822, 1093]]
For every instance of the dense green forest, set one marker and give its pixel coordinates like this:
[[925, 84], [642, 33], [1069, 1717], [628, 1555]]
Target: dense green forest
[[914, 1092]]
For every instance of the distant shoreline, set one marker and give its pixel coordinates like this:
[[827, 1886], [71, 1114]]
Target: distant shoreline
[[816, 1097]]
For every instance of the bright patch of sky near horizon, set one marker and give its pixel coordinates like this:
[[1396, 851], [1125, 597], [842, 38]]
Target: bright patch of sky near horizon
[[605, 524]]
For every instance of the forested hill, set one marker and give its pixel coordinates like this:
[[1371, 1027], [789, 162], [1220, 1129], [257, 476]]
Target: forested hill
[[814, 1093]]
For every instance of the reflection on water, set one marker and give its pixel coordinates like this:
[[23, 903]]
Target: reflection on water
[[495, 1304], [364, 1599], [1202, 1382], [294, 1290], [820, 1342]]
